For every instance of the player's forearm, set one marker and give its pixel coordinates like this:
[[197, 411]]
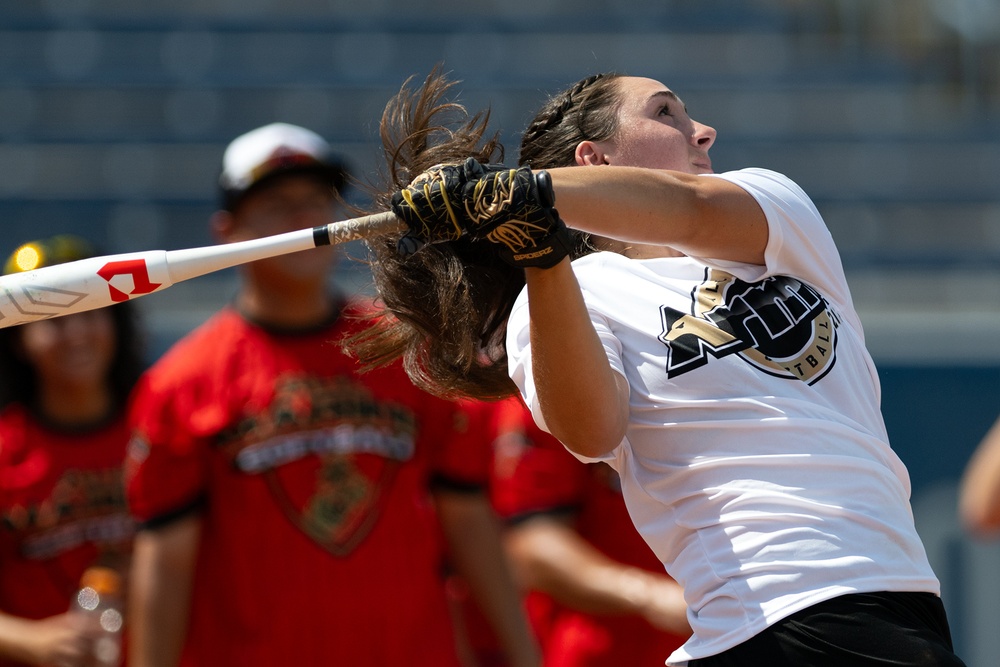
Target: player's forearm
[[697, 215], [16, 636], [584, 401], [473, 534], [57, 640], [554, 559], [160, 591]]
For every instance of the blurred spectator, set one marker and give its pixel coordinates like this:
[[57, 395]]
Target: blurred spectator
[[596, 594], [293, 510], [64, 385], [979, 490]]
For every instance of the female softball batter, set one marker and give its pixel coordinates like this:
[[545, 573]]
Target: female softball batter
[[702, 341]]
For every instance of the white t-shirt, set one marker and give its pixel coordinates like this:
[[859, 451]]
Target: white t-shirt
[[756, 463]]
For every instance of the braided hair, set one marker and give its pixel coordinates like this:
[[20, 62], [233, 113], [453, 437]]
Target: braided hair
[[588, 111], [443, 310]]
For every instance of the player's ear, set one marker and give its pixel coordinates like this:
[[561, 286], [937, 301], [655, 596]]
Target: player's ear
[[590, 153], [222, 225]]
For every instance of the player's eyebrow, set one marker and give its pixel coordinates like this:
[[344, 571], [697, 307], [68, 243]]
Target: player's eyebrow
[[670, 95]]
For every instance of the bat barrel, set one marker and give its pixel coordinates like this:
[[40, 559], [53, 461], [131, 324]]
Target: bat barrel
[[96, 282], [75, 287]]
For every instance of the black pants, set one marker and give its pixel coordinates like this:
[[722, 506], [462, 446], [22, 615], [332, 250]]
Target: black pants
[[858, 630]]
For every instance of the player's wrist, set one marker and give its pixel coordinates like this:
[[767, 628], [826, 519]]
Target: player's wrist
[[543, 253]]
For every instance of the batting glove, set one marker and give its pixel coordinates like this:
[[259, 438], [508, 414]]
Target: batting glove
[[510, 207], [514, 209]]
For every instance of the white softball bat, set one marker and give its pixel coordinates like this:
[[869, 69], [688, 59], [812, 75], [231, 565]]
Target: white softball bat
[[86, 284]]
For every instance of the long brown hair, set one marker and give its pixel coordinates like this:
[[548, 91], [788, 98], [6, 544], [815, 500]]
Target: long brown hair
[[444, 308]]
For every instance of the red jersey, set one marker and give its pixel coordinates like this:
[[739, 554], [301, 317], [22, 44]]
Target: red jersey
[[533, 473], [319, 545], [62, 508]]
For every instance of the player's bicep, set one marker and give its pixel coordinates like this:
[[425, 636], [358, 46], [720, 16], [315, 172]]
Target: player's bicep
[[729, 223]]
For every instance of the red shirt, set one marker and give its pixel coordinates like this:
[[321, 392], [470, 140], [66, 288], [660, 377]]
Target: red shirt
[[534, 473], [319, 544], [62, 508]]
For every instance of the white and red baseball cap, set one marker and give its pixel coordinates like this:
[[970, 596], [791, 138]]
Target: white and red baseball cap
[[276, 149]]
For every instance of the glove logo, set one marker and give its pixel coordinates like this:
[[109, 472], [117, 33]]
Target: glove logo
[[780, 325]]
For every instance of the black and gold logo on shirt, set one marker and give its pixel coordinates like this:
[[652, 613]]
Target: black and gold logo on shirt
[[781, 325]]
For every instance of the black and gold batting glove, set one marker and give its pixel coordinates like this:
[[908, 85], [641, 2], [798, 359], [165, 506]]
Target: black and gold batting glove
[[514, 209], [543, 251], [431, 205], [428, 209], [509, 207]]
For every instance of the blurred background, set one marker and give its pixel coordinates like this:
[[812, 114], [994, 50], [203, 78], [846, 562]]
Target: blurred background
[[114, 115]]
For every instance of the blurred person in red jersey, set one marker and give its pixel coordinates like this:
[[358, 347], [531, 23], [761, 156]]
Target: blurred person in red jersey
[[596, 594], [293, 510], [64, 386]]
